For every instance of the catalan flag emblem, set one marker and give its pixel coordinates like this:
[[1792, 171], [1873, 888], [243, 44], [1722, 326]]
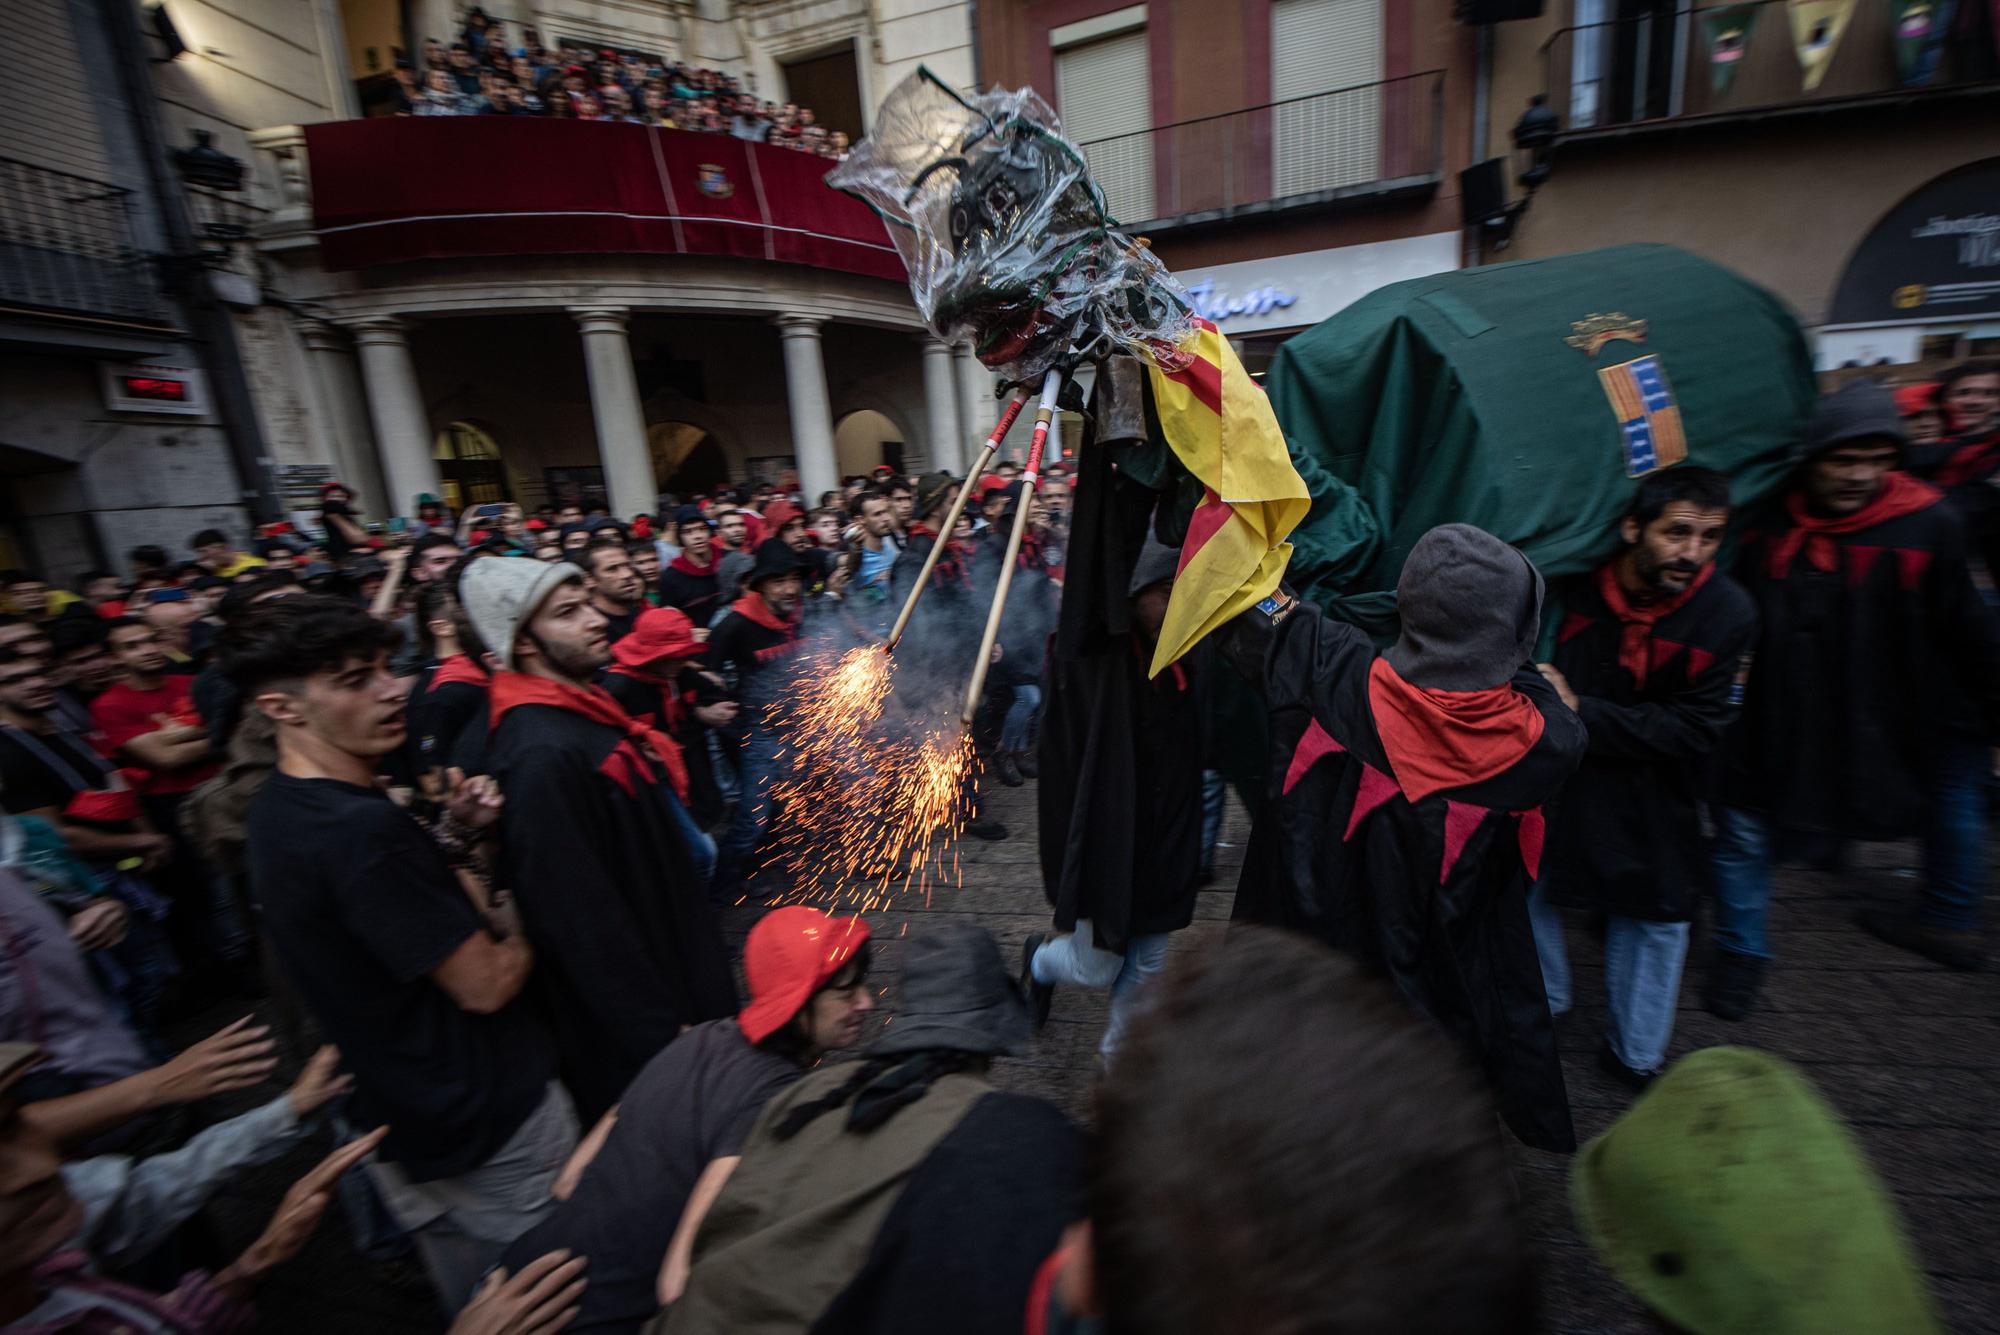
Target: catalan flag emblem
[[1649, 421]]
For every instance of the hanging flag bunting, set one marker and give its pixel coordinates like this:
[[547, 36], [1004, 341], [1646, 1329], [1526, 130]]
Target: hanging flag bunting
[[1728, 33], [1920, 30], [1817, 26]]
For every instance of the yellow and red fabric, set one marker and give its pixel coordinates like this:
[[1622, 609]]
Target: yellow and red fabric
[[1221, 427]]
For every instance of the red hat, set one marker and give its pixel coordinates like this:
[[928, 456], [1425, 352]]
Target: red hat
[[1914, 399], [792, 953], [659, 632], [780, 513], [990, 484]]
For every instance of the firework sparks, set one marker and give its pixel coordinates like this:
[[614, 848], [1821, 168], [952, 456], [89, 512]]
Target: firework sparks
[[871, 809]]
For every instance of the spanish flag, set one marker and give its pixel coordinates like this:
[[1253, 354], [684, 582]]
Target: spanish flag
[[1222, 428]]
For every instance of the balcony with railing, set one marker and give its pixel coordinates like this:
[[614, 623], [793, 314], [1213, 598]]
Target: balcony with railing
[[1372, 142], [67, 248], [1683, 67]]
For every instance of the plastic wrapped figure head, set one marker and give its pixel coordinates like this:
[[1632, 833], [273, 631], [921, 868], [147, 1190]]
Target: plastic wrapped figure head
[[1005, 235]]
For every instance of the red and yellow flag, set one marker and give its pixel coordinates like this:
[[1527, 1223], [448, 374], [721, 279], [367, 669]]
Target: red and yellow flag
[[1222, 428]]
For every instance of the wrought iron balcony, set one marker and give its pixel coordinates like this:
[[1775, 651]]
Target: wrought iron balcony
[[1674, 67], [1370, 142], [67, 247]]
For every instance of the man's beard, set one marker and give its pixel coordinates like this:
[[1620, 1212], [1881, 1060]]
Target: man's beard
[[574, 662], [1653, 574]]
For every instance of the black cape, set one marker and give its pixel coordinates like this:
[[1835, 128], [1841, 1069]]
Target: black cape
[[641, 698], [447, 724], [626, 948], [1860, 676], [1625, 836], [1449, 926]]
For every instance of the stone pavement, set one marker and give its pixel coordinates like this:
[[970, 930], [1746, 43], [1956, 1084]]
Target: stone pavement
[[1909, 1052]]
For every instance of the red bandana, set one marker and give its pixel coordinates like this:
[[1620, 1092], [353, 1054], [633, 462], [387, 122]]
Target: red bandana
[[459, 669], [1970, 459], [1449, 739], [951, 565], [687, 567], [511, 689], [1901, 495], [757, 610], [1637, 622]]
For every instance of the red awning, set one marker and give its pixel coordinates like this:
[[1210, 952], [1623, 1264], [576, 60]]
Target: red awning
[[396, 189]]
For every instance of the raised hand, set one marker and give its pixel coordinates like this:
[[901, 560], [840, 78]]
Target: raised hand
[[541, 1298], [235, 1057], [298, 1214], [320, 1082]]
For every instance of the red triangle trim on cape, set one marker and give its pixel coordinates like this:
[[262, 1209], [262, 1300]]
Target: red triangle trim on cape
[[1901, 495], [1449, 739], [510, 690], [1636, 620]]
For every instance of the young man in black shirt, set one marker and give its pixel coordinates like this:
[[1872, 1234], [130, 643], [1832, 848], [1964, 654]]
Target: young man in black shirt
[[415, 973], [616, 590], [689, 581], [591, 842], [643, 1179]]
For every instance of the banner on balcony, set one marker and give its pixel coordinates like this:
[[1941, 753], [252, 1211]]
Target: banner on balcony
[[1817, 27], [398, 189], [1921, 26], [1727, 31]]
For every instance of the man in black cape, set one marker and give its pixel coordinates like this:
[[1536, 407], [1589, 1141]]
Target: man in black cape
[[1406, 823], [627, 948]]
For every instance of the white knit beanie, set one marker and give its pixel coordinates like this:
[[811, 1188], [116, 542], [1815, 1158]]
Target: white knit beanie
[[500, 594]]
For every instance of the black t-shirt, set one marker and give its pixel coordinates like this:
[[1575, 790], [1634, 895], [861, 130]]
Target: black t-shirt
[[695, 1102], [29, 782], [619, 626], [361, 907], [337, 545]]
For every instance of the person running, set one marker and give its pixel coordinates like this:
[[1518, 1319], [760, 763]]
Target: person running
[[589, 842], [418, 981], [644, 1178]]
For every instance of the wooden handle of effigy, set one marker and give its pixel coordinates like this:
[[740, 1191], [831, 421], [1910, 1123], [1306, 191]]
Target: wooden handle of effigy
[[979, 467], [1044, 414]]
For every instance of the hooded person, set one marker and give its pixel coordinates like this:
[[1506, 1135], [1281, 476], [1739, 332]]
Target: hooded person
[[1406, 819], [900, 1194], [1120, 809], [1873, 695], [1733, 1198], [688, 581], [640, 1184], [655, 675], [593, 841]]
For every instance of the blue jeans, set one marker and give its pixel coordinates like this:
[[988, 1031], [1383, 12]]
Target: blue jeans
[[1642, 978], [1020, 715], [1746, 845], [701, 848], [761, 768], [1076, 960]]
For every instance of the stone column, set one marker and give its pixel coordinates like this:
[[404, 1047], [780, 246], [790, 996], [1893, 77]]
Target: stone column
[[977, 406], [629, 486], [396, 406], [941, 423], [806, 402], [342, 415]]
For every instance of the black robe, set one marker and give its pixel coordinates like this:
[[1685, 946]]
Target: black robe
[[697, 595], [1625, 835], [1119, 799], [641, 698], [1434, 893], [627, 950], [447, 724], [1860, 676]]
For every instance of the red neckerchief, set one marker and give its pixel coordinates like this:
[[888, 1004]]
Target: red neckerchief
[[513, 689], [1030, 557], [754, 608], [1901, 495], [1637, 621], [951, 563], [669, 697], [459, 669], [687, 567], [1449, 739], [1971, 458]]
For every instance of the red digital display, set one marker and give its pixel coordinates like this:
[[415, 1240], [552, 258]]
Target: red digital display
[[154, 389]]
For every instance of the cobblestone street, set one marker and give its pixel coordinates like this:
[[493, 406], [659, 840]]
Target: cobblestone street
[[1907, 1051]]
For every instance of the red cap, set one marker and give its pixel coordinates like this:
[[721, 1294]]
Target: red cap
[[780, 513], [792, 953], [659, 632], [990, 484], [1914, 399]]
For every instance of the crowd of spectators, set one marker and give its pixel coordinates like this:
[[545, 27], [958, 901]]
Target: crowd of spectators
[[482, 74]]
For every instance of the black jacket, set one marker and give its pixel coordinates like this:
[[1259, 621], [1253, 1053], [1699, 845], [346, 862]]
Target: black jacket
[[1860, 675], [1625, 835], [697, 595], [1435, 892]]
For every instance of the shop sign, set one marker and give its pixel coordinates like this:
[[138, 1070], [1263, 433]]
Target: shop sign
[[1935, 256], [1294, 291]]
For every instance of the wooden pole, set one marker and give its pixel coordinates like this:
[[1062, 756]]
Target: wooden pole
[[1044, 414], [972, 476]]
